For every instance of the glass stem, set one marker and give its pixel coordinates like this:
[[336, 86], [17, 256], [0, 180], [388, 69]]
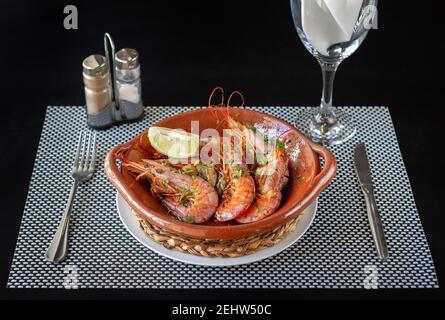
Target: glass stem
[[326, 111]]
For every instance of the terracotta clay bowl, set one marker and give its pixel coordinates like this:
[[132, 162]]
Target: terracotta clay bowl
[[307, 179]]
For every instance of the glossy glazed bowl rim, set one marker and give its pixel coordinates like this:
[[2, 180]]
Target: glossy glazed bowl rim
[[199, 231]]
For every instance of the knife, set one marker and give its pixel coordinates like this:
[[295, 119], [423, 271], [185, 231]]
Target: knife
[[364, 176]]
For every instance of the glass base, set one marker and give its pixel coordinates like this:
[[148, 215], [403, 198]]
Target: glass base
[[326, 131]]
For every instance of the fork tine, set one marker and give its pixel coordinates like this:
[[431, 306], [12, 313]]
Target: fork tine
[[87, 153], [82, 152], [79, 144], [93, 153]]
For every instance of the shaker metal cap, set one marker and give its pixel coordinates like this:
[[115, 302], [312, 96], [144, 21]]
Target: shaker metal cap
[[95, 65], [127, 59]]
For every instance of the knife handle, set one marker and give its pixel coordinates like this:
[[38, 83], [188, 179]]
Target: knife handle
[[375, 222]]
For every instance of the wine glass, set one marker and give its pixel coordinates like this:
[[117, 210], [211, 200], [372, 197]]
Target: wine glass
[[331, 30]]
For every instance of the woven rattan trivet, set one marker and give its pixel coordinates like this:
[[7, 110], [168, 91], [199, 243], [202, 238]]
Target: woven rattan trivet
[[217, 248]]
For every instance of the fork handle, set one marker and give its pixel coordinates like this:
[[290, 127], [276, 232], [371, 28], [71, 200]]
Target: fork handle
[[58, 248]]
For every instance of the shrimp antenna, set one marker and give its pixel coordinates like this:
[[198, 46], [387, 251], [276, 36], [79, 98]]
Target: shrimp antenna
[[230, 98], [283, 133], [213, 93], [240, 95], [221, 104]]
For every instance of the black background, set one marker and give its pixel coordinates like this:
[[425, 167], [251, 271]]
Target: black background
[[189, 47]]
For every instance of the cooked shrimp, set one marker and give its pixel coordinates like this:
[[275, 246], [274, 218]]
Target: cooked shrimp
[[205, 171], [190, 198], [237, 195], [273, 173], [270, 177], [236, 186]]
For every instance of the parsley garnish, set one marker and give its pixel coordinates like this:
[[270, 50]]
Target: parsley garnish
[[190, 219], [183, 197], [238, 172], [279, 144], [184, 202]]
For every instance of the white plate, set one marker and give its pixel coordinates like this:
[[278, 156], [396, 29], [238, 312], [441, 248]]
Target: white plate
[[130, 222]]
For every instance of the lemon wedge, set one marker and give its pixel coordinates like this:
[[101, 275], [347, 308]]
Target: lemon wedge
[[174, 143]]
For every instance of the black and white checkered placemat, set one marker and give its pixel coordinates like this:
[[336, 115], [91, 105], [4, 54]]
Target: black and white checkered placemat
[[336, 252]]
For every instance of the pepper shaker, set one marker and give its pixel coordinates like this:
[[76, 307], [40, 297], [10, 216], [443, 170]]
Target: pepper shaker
[[98, 92], [128, 84]]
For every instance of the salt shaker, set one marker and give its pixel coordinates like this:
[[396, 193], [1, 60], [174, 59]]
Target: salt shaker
[[128, 84], [98, 92]]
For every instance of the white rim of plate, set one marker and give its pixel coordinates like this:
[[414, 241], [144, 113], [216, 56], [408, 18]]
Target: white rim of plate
[[131, 224]]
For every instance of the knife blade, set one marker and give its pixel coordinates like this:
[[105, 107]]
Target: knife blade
[[363, 171]]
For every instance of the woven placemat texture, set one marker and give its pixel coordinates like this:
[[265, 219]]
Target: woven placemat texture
[[336, 252]]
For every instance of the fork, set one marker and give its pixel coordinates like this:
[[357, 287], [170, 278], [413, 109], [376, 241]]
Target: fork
[[82, 170]]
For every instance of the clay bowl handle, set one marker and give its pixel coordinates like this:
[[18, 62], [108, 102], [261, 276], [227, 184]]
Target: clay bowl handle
[[327, 173]]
